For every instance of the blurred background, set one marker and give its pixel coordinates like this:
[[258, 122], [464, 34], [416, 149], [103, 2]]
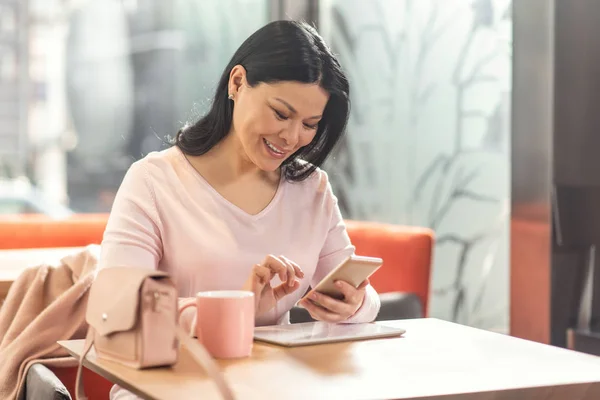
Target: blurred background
[[89, 86]]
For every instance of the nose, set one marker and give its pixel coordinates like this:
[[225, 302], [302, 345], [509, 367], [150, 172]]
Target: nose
[[291, 135]]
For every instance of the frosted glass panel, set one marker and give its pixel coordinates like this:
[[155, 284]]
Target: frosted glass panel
[[428, 141], [135, 72]]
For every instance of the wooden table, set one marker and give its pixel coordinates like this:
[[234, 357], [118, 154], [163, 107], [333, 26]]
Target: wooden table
[[14, 262], [434, 360]]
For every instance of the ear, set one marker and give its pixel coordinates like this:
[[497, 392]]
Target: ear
[[237, 79]]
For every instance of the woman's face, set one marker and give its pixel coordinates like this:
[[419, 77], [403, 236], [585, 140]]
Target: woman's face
[[273, 121]]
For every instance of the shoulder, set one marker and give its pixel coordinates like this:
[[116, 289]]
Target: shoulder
[[158, 160], [152, 177], [154, 167], [316, 188], [318, 181]]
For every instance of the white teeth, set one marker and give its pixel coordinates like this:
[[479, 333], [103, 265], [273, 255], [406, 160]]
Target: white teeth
[[273, 147]]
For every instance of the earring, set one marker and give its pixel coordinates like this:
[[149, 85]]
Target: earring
[[230, 97]]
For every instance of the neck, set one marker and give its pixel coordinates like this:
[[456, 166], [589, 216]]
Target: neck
[[230, 157], [227, 162]]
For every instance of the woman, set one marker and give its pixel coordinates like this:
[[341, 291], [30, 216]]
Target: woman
[[239, 200]]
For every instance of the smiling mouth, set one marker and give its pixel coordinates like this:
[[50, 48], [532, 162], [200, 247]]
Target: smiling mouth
[[273, 148]]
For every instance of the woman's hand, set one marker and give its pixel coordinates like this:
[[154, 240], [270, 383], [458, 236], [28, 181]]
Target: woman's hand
[[259, 282], [325, 308]]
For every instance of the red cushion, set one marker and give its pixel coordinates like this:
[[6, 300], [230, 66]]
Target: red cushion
[[42, 232], [96, 387], [406, 253]]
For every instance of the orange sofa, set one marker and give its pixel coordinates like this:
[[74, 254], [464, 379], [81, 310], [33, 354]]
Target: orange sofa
[[406, 251], [36, 231]]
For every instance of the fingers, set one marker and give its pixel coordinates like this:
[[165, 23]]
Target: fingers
[[279, 267], [352, 295], [291, 271], [298, 271], [330, 309], [284, 289], [286, 269], [339, 307], [262, 274], [321, 314]]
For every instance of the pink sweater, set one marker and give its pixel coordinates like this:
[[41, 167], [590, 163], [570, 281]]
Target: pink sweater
[[166, 216]]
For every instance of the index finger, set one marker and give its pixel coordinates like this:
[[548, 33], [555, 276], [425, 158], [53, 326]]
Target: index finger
[[277, 266], [298, 271], [291, 272]]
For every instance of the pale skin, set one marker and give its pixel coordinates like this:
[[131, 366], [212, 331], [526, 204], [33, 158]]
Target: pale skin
[[270, 123]]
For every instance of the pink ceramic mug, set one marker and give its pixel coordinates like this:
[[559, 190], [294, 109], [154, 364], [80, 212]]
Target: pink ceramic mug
[[225, 322]]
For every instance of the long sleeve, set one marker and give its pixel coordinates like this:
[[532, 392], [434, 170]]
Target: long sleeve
[[133, 233], [337, 248]]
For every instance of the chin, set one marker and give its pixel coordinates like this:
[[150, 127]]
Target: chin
[[269, 166], [268, 162]]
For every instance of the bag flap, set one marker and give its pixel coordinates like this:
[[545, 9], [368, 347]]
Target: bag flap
[[114, 297]]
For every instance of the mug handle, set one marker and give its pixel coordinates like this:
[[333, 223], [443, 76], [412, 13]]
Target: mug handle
[[192, 332]]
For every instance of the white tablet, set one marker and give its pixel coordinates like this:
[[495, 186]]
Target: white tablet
[[309, 333]]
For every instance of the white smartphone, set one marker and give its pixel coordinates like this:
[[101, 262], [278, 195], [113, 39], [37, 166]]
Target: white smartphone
[[354, 270]]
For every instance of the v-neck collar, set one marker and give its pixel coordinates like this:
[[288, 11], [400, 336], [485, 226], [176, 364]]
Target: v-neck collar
[[280, 189]]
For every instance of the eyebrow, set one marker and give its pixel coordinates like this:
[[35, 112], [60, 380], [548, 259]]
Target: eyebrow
[[292, 109]]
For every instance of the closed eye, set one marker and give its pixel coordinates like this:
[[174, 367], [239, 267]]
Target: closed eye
[[311, 127], [279, 115]]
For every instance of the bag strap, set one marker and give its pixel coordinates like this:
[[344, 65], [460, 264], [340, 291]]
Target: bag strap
[[198, 352], [89, 341], [205, 360]]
